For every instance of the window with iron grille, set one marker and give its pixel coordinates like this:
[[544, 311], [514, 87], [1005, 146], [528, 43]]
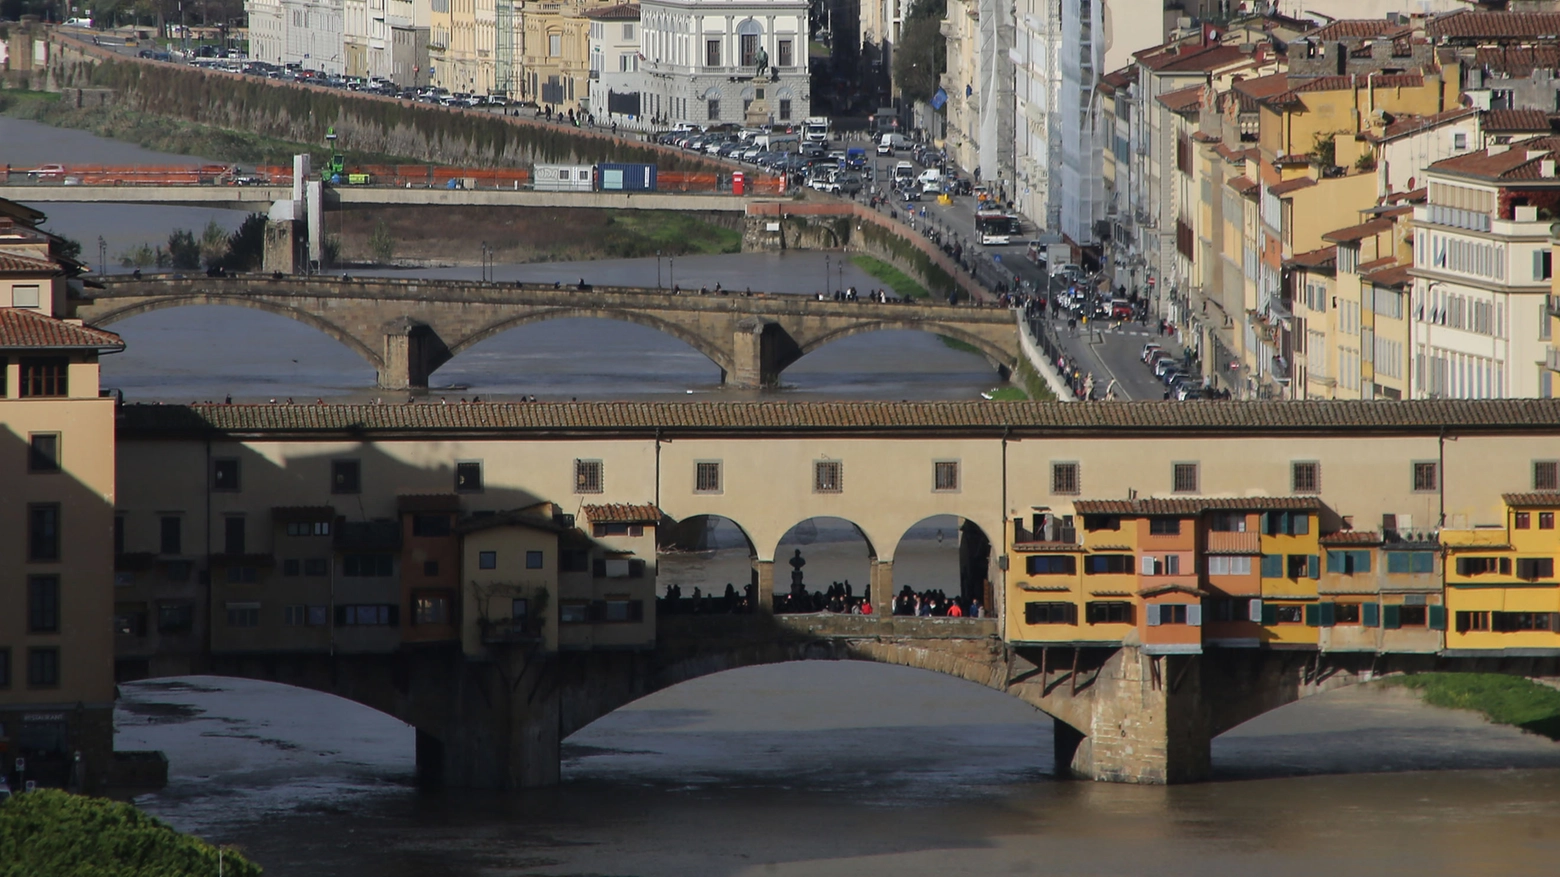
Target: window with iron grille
[[1064, 478], [1546, 475], [706, 476], [945, 475], [1426, 476], [1184, 478], [828, 476], [588, 476], [1305, 477]]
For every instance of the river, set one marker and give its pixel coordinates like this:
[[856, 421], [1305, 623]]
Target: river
[[815, 769], [202, 353]]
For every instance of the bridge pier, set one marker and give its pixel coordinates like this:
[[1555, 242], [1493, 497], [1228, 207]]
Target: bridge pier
[[501, 729], [760, 349], [764, 585], [1148, 722], [880, 586], [412, 351]]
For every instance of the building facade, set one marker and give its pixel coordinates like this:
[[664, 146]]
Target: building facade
[[615, 96], [700, 62]]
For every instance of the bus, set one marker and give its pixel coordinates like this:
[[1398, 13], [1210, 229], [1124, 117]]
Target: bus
[[994, 227]]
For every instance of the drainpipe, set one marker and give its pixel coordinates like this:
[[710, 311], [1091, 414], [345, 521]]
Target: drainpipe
[[210, 586], [1000, 598], [1440, 482]]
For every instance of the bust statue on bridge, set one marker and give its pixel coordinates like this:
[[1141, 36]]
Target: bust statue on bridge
[[797, 562]]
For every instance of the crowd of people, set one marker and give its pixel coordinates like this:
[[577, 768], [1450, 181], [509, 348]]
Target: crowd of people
[[839, 599], [935, 604], [732, 602]]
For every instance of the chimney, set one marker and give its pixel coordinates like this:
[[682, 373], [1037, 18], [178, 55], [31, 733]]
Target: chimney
[[1497, 148], [1546, 168]]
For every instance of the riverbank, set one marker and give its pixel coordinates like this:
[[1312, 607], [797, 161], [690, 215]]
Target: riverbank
[[1504, 700]]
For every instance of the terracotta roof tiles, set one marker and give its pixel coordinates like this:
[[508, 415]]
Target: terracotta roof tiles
[[1293, 185], [1186, 507], [12, 263], [620, 12], [784, 417], [1359, 232], [1538, 499], [29, 330], [1518, 62], [1467, 24], [1517, 121], [1358, 28], [624, 513], [1352, 537], [1405, 126], [1184, 99]]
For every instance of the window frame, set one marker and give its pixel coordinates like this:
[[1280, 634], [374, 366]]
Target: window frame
[[487, 560], [1063, 473], [834, 484], [338, 468], [535, 559], [40, 464], [217, 466], [708, 486], [463, 468], [35, 383], [1550, 477], [43, 604], [1303, 471], [939, 483], [590, 476], [1177, 469], [33, 538], [35, 652], [1419, 468]]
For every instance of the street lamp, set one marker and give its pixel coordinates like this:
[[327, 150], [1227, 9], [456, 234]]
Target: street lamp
[[671, 270], [657, 269], [826, 268]]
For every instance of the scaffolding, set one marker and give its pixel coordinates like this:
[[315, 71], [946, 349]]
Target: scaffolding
[[504, 48]]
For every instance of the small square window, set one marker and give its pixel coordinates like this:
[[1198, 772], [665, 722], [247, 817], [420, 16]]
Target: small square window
[[706, 477], [1305, 477], [1546, 475], [588, 476], [828, 476], [1546, 520], [487, 560], [1522, 520], [345, 476], [945, 475], [224, 474], [1184, 478], [1064, 478], [468, 477], [1426, 476], [43, 452], [533, 560]]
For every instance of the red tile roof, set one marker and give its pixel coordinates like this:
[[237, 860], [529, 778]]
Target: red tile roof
[[1192, 506], [1293, 185], [1539, 499], [1359, 232], [1251, 91], [1519, 161], [624, 513], [1359, 28], [1396, 276], [1517, 121], [1243, 185], [1352, 537], [13, 263], [1376, 264], [1344, 83], [620, 12], [1181, 100], [1326, 257], [1467, 24], [1405, 126], [1174, 58], [29, 330], [584, 419], [1518, 62]]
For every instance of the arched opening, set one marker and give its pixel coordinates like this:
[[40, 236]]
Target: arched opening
[[824, 725], [891, 363], [575, 356], [704, 566], [823, 564], [210, 351], [941, 562]]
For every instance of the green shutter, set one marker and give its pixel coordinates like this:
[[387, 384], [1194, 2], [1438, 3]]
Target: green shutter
[[1328, 614], [1397, 562], [1437, 617], [1269, 613], [1370, 614], [1299, 523], [1424, 561], [1272, 566], [1313, 615], [1313, 566], [1335, 562], [1262, 525], [1362, 561], [1390, 614]]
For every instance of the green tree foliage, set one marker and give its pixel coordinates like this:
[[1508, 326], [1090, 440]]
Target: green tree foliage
[[183, 249], [63, 835], [213, 245], [246, 247], [382, 243], [923, 53]]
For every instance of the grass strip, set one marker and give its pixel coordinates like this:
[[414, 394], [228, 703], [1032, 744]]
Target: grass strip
[[899, 282], [1505, 700]]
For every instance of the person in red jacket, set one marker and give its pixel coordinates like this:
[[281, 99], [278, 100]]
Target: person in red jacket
[[953, 609]]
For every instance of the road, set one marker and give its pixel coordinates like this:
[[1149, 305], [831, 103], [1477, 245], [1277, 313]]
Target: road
[[1110, 351]]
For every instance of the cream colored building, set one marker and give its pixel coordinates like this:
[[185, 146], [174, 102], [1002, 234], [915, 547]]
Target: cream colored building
[[56, 511], [555, 68]]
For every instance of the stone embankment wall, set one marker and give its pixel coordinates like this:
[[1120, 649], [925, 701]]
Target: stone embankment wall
[[365, 123]]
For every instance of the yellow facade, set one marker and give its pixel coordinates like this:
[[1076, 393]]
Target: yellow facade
[[1501, 589]]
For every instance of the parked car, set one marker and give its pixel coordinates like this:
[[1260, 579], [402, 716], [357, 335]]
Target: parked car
[[1121, 309], [908, 193], [47, 172], [1149, 350]]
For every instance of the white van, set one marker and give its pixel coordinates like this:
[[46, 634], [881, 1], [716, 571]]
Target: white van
[[904, 172], [891, 143]]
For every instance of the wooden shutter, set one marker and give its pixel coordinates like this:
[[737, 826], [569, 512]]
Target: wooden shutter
[[1313, 566], [1370, 614], [1153, 615], [1146, 565], [1269, 614], [1313, 615], [1256, 612], [1437, 617], [1391, 615], [1194, 615], [1327, 614]]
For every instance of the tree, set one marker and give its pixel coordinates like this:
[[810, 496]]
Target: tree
[[246, 246], [382, 243], [923, 53], [183, 249], [213, 245], [54, 832]]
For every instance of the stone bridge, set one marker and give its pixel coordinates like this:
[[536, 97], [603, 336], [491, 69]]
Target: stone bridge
[[408, 328], [1120, 715]]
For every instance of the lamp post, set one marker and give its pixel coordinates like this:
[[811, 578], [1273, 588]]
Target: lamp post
[[827, 266], [671, 270], [657, 269], [102, 255]]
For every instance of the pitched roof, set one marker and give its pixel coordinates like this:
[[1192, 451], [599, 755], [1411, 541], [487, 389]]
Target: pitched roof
[[1293, 185], [620, 12], [1396, 276], [1344, 83], [1406, 126], [1324, 258], [1352, 537], [779, 418], [14, 263], [1186, 507], [526, 517], [1538, 499], [29, 330], [624, 513], [1375, 264], [1517, 121], [1181, 58], [1358, 28], [1181, 100], [1467, 24], [1520, 161], [1355, 233], [1251, 91], [1156, 590], [1243, 185]]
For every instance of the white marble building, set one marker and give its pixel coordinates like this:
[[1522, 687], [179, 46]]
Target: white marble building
[[699, 60]]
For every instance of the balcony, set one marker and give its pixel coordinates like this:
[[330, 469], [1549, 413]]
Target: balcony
[[1235, 543], [1490, 536]]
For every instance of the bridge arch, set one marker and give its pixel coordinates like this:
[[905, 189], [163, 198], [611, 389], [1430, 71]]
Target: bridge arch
[[955, 560], [716, 353], [197, 299], [994, 353]]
